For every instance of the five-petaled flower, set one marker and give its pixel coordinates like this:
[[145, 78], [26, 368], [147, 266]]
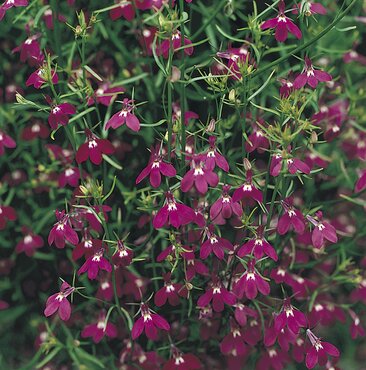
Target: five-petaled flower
[[60, 114], [169, 292], [290, 316], [40, 76], [224, 207], [99, 329], [58, 302], [214, 244], [322, 230], [7, 213], [9, 4], [291, 217], [62, 231], [29, 243], [124, 117], [6, 142], [95, 263], [248, 190]]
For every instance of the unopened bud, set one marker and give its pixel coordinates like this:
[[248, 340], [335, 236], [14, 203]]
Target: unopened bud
[[232, 95], [189, 286], [314, 137], [211, 126], [247, 164], [175, 74]]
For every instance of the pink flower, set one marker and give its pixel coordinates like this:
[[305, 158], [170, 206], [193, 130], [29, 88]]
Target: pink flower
[[291, 218], [30, 51], [194, 266], [258, 247], [175, 43], [214, 244], [34, 130], [123, 255], [282, 24], [60, 114], [181, 361], [69, 176], [95, 263], [124, 117], [248, 190], [9, 4], [62, 231], [356, 328], [322, 230], [200, 176], [353, 56], [150, 322], [361, 182], [310, 76], [273, 358], [176, 214], [39, 77], [213, 157], [93, 148], [250, 282], [86, 247], [319, 351], [309, 8], [224, 206], [256, 141], [155, 168], [177, 114], [100, 329], [290, 317], [234, 342], [125, 10], [218, 294], [169, 292], [105, 94], [6, 142], [58, 302], [293, 165], [48, 18], [287, 86], [29, 243], [241, 312]]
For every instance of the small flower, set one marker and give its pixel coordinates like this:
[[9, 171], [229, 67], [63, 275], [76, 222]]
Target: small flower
[[182, 361], [287, 86], [175, 43], [322, 230], [30, 51], [234, 342], [86, 247], [60, 114], [291, 218], [256, 141], [194, 266], [39, 77], [7, 213], [123, 255], [361, 182], [58, 302], [282, 24], [319, 351], [29, 243], [213, 157], [150, 322], [224, 206], [9, 4], [125, 10], [124, 117], [309, 8], [62, 231], [214, 244], [169, 292], [105, 94], [155, 168], [6, 142], [248, 190], [290, 317], [95, 263], [69, 176], [100, 329], [356, 328], [241, 312], [93, 149], [34, 130], [293, 164], [310, 76]]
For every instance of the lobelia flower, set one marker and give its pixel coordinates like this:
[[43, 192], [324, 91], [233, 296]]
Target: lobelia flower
[[213, 157], [200, 176], [293, 165], [250, 282], [40, 76], [176, 214], [194, 266], [234, 342], [218, 294], [310, 76], [353, 56], [175, 43], [29, 243], [125, 10], [100, 329], [30, 51], [214, 244], [309, 8], [34, 130], [62, 231], [322, 230], [150, 322], [177, 114], [359, 294], [48, 18], [273, 358], [256, 141], [155, 168], [284, 337], [105, 94], [9, 4], [95, 263], [282, 25], [291, 218], [241, 312], [319, 351], [86, 247], [356, 329], [124, 117], [224, 206], [169, 292], [58, 302], [93, 149], [6, 142], [258, 247], [123, 255], [182, 361], [361, 182], [290, 317], [287, 86], [60, 114], [69, 176], [248, 190]]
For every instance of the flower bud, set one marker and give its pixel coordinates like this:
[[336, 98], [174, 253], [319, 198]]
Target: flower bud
[[247, 164], [211, 126], [175, 76]]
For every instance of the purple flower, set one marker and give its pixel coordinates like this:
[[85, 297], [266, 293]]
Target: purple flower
[[181, 361], [124, 117], [169, 292], [62, 231], [95, 263], [176, 214], [290, 317], [291, 218], [93, 148], [150, 322], [361, 182], [155, 168], [9, 4], [70, 175], [58, 302], [175, 43], [213, 157], [60, 114], [6, 142], [100, 329], [293, 165], [248, 190], [125, 10], [123, 255], [224, 206], [322, 230], [39, 77], [30, 51], [234, 342], [214, 244], [310, 76], [309, 8], [194, 266], [29, 243], [282, 24], [256, 140]]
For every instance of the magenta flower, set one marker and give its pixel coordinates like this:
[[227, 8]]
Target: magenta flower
[[60, 114], [356, 329], [234, 342], [169, 292], [284, 337], [218, 294], [175, 43], [310, 8], [182, 361], [319, 351], [105, 94], [256, 141], [34, 130], [29, 243], [290, 317], [177, 114], [6, 142], [7, 213], [200, 176], [250, 283], [273, 358], [214, 244], [69, 176], [124, 117], [39, 77], [322, 230], [213, 157], [155, 168], [248, 190], [176, 214], [58, 302], [287, 86], [224, 206], [62, 231], [93, 148], [282, 24], [194, 266], [95, 263], [100, 329], [241, 312], [353, 56], [9, 4], [123, 255], [291, 218], [310, 76], [30, 51], [361, 182], [258, 247], [293, 165], [150, 322], [125, 10]]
